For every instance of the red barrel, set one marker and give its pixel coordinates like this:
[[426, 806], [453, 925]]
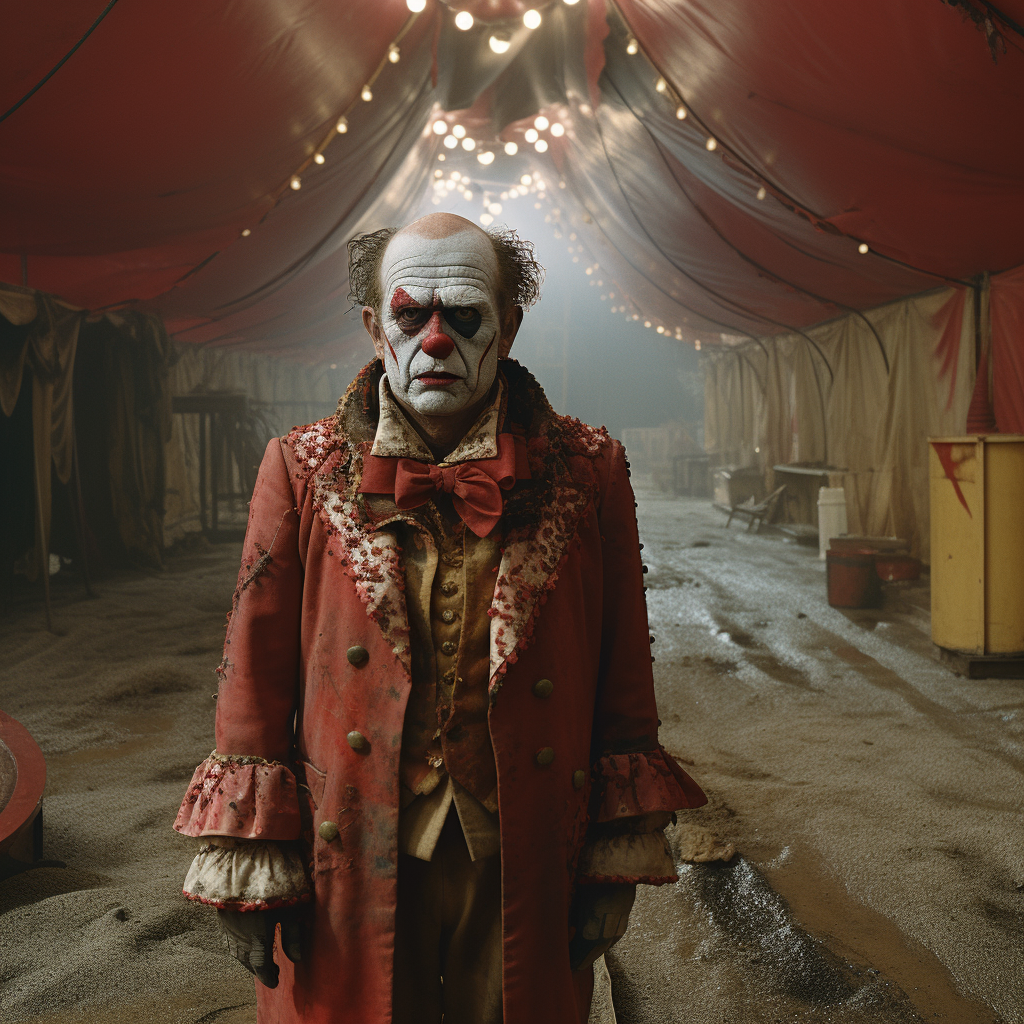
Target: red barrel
[[852, 579]]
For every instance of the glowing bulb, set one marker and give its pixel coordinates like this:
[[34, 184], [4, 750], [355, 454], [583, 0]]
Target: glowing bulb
[[541, 146], [558, 129], [440, 156], [319, 158], [541, 122], [366, 94], [246, 232], [416, 5], [438, 173], [711, 145], [295, 183], [661, 85], [440, 127], [680, 112], [532, 135], [469, 145], [647, 323], [394, 54], [526, 179], [458, 131], [531, 19], [511, 148], [762, 192], [467, 195], [632, 47], [862, 248], [342, 125], [485, 219], [450, 142], [589, 271], [494, 208], [499, 44], [486, 158], [661, 330], [696, 344], [570, 3], [464, 20], [636, 316]]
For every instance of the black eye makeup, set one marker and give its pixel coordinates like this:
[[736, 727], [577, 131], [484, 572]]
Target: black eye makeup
[[463, 319]]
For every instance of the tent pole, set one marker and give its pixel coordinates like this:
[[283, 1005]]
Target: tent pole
[[44, 541]]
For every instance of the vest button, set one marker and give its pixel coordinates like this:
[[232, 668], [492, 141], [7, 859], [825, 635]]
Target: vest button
[[328, 831], [543, 688], [579, 777], [545, 756], [448, 615], [357, 655], [449, 647], [357, 741]]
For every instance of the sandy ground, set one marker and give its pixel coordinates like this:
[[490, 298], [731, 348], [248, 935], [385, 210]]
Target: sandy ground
[[873, 797]]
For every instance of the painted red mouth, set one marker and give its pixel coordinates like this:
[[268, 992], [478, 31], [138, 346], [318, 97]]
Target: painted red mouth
[[437, 379]]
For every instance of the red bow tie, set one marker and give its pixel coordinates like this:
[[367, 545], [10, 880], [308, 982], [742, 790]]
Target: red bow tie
[[475, 486]]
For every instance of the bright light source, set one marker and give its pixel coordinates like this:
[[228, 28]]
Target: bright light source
[[632, 47], [319, 158], [416, 5], [367, 94], [450, 142], [464, 20], [469, 145], [696, 344], [661, 330], [589, 271], [531, 19], [438, 173], [342, 125], [296, 183], [246, 232], [467, 195], [661, 85], [486, 157], [526, 179], [541, 122], [532, 135], [711, 145], [541, 146], [571, 3], [647, 323], [458, 131], [485, 219], [680, 112], [394, 55], [511, 148], [499, 44], [862, 248], [494, 208], [440, 156], [440, 127], [558, 129], [762, 192]]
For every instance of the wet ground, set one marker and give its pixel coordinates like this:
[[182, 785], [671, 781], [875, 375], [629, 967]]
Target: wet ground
[[873, 798]]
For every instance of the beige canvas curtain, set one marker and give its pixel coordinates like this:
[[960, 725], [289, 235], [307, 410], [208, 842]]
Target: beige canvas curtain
[[840, 406]]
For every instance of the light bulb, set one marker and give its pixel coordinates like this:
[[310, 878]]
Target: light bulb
[[342, 125], [486, 157], [366, 94], [541, 146], [394, 55], [680, 112], [558, 129], [450, 142], [485, 219], [711, 145], [570, 3], [661, 85], [696, 344], [319, 158], [438, 173], [632, 47], [762, 192], [661, 330], [541, 122], [467, 195], [440, 127], [440, 156], [511, 148], [458, 131], [526, 179], [862, 248], [469, 145], [532, 135], [295, 183], [636, 316], [246, 232], [494, 208], [416, 5], [464, 20], [531, 19], [589, 271], [499, 44]]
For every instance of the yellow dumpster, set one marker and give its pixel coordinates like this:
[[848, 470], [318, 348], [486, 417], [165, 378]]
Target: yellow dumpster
[[977, 543]]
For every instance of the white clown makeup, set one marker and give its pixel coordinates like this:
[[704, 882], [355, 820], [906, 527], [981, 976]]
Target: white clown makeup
[[440, 320]]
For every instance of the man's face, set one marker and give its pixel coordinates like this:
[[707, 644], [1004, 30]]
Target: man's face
[[440, 320]]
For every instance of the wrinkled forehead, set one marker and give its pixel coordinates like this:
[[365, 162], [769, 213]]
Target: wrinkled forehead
[[457, 262]]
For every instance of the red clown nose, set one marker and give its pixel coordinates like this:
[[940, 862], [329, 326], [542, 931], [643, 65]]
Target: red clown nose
[[437, 344]]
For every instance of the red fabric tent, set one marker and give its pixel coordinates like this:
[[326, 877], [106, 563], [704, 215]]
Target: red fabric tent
[[130, 174]]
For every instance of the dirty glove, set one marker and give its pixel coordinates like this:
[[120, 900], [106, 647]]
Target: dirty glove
[[249, 937], [598, 919]]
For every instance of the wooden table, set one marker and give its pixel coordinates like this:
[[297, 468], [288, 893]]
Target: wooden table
[[800, 499]]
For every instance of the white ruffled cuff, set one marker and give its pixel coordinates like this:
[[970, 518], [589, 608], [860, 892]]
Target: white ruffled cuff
[[644, 859], [246, 874]]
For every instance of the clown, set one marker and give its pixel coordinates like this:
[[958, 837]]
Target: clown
[[437, 779]]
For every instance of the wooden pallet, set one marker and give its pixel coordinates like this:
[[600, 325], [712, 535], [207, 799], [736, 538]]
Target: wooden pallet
[[984, 666]]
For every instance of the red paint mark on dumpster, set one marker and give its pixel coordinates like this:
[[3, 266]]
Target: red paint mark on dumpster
[[944, 450]]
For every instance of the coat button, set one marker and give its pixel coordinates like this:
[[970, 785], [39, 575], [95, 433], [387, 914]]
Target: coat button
[[579, 777], [448, 615], [328, 831], [357, 655], [543, 688], [449, 647], [357, 741], [545, 756]]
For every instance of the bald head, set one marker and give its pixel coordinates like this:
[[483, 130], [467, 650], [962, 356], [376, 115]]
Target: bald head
[[441, 225]]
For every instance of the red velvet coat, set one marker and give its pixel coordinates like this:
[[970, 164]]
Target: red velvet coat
[[318, 578]]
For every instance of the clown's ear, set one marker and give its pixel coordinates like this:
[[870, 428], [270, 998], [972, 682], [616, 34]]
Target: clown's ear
[[509, 328]]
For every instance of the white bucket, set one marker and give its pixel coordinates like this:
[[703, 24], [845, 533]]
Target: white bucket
[[831, 516]]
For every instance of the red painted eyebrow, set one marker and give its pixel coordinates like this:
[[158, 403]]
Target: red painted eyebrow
[[401, 299]]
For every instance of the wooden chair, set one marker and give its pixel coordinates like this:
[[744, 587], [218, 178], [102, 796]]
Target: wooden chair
[[758, 512]]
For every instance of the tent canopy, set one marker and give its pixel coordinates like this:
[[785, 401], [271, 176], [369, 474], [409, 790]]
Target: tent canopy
[[725, 161]]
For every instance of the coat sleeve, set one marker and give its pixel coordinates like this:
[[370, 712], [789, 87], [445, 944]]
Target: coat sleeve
[[245, 788], [632, 773]]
